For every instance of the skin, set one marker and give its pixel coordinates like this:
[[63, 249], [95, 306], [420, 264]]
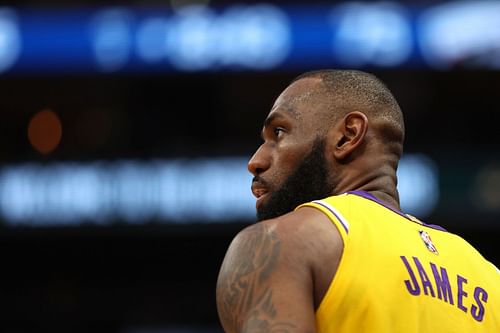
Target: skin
[[274, 276]]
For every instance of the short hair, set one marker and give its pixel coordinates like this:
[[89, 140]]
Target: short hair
[[352, 90]]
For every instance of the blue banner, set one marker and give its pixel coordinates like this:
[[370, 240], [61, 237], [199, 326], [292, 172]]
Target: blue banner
[[257, 37]]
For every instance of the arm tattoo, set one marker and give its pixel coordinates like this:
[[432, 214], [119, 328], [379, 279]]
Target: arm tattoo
[[240, 296]]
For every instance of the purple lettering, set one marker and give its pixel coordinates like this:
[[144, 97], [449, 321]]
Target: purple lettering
[[461, 292], [477, 311], [426, 283], [442, 284], [413, 287]]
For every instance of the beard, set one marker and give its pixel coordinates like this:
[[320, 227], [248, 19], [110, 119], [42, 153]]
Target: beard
[[310, 181]]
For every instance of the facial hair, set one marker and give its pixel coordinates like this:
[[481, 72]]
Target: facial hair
[[310, 181]]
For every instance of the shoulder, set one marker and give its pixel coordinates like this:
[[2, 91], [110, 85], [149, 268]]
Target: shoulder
[[291, 249], [300, 232], [255, 250], [261, 285]]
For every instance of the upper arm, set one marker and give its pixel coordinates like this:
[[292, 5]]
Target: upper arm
[[265, 284]]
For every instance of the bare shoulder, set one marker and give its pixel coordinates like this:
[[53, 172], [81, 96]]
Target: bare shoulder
[[324, 248], [246, 295], [267, 280]]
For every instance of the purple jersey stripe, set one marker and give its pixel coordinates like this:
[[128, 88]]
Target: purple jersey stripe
[[332, 210], [371, 197]]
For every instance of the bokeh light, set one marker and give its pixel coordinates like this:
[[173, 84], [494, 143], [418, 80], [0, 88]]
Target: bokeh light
[[487, 188], [45, 131]]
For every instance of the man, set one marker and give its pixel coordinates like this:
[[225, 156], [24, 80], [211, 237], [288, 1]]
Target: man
[[347, 259]]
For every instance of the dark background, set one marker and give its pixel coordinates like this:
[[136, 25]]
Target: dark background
[[160, 277]]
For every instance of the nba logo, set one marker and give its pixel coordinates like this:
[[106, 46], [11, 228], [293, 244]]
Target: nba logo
[[428, 242]]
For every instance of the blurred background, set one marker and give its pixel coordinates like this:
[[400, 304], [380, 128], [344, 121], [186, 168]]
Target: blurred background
[[126, 128]]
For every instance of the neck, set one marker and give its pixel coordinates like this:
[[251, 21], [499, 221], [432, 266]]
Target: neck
[[381, 183], [391, 199]]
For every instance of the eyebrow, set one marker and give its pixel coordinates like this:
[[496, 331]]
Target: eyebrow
[[272, 117], [288, 111], [269, 120]]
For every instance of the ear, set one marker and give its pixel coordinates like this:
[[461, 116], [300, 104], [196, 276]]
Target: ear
[[348, 134]]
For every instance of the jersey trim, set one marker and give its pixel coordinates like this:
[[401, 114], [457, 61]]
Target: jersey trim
[[371, 197], [336, 213]]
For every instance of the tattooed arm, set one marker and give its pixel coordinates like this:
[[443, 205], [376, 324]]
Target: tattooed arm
[[266, 281]]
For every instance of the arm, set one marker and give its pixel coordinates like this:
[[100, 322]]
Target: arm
[[265, 283]]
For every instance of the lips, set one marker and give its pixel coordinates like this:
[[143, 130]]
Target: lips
[[260, 192]]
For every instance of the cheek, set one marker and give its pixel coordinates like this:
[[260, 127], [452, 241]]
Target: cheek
[[275, 179], [284, 165]]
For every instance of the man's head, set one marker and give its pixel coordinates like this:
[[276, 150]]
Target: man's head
[[328, 132]]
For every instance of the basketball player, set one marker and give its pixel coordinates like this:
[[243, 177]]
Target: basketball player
[[332, 251]]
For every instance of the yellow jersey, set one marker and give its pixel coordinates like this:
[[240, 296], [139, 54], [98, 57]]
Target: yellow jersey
[[398, 274]]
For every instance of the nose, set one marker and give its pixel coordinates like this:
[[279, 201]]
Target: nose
[[260, 161]]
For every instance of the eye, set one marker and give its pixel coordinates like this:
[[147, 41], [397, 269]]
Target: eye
[[278, 131]]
